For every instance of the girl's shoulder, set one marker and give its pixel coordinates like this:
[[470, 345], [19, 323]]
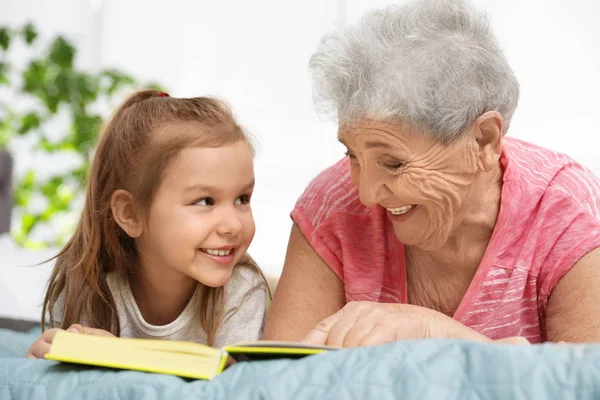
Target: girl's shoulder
[[245, 277]]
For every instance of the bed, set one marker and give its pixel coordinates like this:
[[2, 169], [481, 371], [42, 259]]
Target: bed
[[432, 369]]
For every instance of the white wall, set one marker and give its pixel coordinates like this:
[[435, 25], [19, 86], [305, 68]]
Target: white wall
[[255, 55]]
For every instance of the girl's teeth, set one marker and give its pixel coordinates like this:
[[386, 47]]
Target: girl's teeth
[[400, 210], [217, 252]]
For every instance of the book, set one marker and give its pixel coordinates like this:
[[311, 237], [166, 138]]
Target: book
[[184, 359]]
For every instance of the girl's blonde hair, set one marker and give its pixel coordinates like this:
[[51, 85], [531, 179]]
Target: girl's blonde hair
[[131, 155]]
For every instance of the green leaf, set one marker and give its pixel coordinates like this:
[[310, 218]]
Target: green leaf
[[52, 102], [6, 133], [28, 181], [23, 189], [29, 122], [34, 244], [4, 69], [49, 213], [4, 139], [5, 36], [117, 80], [81, 174], [34, 77], [64, 196], [45, 145], [67, 146], [30, 33], [85, 90], [50, 188], [62, 53], [28, 222], [18, 236], [21, 198], [85, 132]]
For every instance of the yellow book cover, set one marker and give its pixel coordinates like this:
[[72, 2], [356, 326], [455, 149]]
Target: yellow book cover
[[185, 359]]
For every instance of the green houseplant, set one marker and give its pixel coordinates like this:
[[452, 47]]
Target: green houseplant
[[55, 89]]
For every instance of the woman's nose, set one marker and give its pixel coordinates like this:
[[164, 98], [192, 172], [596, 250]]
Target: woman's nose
[[370, 187]]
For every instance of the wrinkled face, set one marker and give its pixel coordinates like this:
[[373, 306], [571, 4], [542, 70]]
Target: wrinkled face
[[200, 223], [423, 184]]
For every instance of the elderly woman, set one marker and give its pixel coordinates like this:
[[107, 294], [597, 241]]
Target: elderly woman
[[436, 225]]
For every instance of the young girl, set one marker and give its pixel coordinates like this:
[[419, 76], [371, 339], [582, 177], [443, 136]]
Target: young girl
[[160, 250]]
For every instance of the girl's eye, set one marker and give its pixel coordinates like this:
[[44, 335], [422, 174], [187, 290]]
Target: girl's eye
[[244, 199], [207, 201]]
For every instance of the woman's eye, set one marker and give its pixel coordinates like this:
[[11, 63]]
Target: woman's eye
[[244, 199], [349, 155], [393, 165], [207, 201]]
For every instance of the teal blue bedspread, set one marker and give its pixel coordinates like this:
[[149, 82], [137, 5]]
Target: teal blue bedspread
[[433, 369]]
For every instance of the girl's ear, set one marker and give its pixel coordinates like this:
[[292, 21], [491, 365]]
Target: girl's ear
[[125, 214]]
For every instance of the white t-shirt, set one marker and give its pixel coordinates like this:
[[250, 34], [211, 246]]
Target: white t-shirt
[[243, 319]]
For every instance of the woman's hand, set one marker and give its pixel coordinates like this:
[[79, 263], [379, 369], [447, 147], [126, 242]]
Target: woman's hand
[[368, 323], [42, 345]]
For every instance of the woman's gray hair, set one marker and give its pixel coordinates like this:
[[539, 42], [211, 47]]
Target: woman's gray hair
[[433, 64]]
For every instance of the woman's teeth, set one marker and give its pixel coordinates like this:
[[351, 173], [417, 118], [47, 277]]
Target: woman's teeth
[[217, 252], [400, 210]]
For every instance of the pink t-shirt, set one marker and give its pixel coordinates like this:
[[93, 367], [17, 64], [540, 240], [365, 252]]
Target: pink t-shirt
[[549, 218]]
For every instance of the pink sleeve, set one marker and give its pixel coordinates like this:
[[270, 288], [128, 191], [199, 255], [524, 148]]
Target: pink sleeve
[[575, 215], [313, 235], [313, 213]]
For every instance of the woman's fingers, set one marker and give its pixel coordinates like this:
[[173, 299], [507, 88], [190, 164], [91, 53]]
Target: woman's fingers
[[379, 334], [320, 333], [347, 322], [344, 328], [357, 332], [367, 323]]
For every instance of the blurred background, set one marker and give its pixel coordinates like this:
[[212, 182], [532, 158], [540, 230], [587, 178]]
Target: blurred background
[[65, 64]]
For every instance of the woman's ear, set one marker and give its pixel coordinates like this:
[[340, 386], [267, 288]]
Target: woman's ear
[[488, 134], [125, 214]]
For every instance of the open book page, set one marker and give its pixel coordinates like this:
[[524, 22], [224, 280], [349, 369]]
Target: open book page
[[172, 346], [268, 350], [184, 359], [282, 345]]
